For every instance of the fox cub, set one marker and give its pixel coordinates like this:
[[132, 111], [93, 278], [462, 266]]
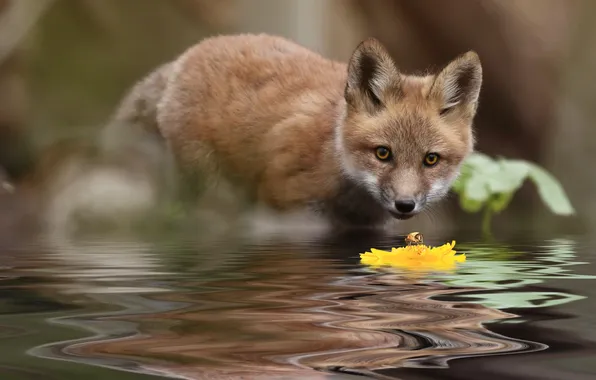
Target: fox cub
[[357, 143]]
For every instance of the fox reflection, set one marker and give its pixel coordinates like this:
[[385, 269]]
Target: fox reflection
[[290, 313]]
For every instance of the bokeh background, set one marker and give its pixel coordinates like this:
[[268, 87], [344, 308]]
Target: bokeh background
[[65, 64]]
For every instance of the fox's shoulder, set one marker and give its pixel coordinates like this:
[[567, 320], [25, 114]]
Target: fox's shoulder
[[247, 79]]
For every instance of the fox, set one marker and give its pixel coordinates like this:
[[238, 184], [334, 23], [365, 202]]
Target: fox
[[358, 143]]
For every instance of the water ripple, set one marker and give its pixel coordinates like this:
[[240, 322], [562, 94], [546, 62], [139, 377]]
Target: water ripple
[[292, 315]]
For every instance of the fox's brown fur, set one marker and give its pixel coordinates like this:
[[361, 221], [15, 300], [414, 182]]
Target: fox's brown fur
[[296, 130]]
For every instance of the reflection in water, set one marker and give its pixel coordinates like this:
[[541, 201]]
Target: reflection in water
[[286, 311], [500, 271]]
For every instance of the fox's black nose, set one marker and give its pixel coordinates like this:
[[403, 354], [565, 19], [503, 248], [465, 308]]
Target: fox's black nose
[[405, 206]]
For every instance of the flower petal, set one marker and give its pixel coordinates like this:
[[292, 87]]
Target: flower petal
[[415, 257]]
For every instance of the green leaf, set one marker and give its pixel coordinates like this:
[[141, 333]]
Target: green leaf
[[479, 161], [472, 184], [459, 184], [551, 191], [476, 188], [477, 164], [510, 177], [499, 202], [470, 205], [484, 179]]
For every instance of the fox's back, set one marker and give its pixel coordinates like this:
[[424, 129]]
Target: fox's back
[[241, 96]]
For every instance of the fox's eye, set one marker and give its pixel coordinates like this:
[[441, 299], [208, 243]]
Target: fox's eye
[[383, 153], [431, 159]]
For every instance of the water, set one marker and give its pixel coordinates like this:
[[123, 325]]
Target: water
[[149, 308]]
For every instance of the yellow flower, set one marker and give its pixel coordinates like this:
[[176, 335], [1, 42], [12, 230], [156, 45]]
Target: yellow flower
[[415, 257]]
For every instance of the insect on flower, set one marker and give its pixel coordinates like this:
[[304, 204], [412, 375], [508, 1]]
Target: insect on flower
[[414, 238], [415, 257]]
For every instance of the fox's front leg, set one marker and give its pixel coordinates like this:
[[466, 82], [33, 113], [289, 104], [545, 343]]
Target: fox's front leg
[[284, 188]]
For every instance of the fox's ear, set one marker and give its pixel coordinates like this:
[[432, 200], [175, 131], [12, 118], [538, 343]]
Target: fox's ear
[[457, 86], [372, 77]]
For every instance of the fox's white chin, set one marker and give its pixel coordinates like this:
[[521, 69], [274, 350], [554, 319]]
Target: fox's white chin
[[400, 216]]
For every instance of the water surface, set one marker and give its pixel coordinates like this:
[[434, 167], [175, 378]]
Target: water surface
[[148, 308]]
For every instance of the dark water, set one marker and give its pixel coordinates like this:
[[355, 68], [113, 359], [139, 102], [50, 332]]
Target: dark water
[[123, 308]]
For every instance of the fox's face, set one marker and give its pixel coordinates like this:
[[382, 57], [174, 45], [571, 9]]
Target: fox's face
[[404, 137]]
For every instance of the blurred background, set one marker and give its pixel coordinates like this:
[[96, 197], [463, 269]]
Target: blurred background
[[65, 64]]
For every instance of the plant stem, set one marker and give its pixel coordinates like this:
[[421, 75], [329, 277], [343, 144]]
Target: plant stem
[[487, 216]]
